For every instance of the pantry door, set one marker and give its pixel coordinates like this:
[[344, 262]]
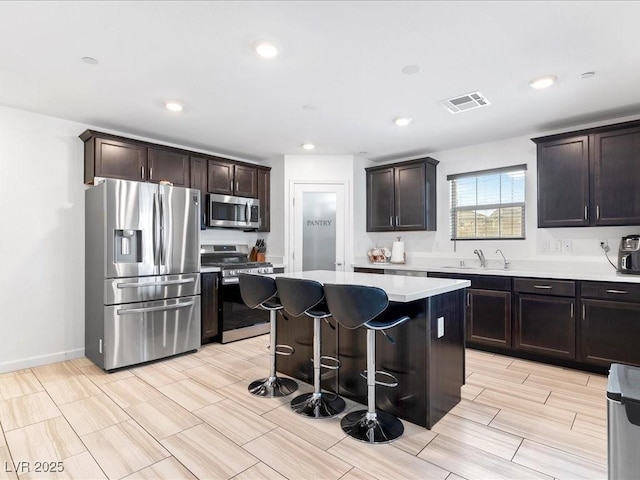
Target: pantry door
[[319, 227]]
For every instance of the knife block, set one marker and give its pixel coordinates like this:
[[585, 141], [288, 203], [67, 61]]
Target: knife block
[[253, 255]]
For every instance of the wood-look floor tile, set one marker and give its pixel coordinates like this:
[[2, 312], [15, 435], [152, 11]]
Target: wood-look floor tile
[[295, 458], [478, 435], [7, 472], [532, 427], [475, 411], [123, 449], [162, 417], [93, 414], [385, 461], [158, 374], [260, 470], [470, 462], [597, 381], [17, 384], [190, 394], [130, 391], [167, 469], [208, 454], [81, 362], [211, 377], [56, 371], [590, 406], [453, 476], [240, 393], [248, 350], [549, 371], [497, 372], [355, 474], [71, 389], [26, 410], [229, 362], [323, 433], [414, 438], [184, 362], [528, 392], [501, 400], [486, 357], [80, 466], [51, 440], [254, 373], [234, 421], [100, 377], [596, 427], [560, 386], [558, 463], [470, 392]]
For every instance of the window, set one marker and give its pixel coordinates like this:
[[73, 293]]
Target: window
[[488, 204]]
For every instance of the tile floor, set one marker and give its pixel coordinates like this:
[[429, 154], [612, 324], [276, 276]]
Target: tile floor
[[191, 417]]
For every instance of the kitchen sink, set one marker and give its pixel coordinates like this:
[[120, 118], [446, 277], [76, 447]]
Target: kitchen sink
[[468, 267]]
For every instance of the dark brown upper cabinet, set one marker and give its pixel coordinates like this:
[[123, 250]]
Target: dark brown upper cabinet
[[402, 196], [264, 195], [166, 165], [590, 177], [229, 178], [113, 158]]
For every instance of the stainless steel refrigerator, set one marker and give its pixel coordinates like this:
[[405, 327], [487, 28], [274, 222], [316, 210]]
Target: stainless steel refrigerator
[[142, 280]]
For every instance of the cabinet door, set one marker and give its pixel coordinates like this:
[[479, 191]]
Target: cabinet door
[[167, 165], [220, 177], [545, 325], [380, 200], [264, 195], [410, 197], [246, 181], [610, 332], [563, 183], [198, 174], [617, 177], [489, 317], [209, 306], [123, 160]]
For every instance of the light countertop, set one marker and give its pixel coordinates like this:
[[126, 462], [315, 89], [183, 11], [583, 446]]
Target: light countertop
[[398, 288]]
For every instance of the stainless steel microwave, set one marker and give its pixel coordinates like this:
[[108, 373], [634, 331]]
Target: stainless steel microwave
[[233, 212]]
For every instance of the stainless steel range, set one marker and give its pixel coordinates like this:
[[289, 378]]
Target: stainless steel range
[[236, 320]]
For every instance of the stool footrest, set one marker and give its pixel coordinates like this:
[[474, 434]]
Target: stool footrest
[[392, 384], [336, 363], [285, 350]]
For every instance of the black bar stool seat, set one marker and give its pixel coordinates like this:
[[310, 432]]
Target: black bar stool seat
[[258, 291], [306, 297], [355, 306]]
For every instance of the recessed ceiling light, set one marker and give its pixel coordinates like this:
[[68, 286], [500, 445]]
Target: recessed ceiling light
[[265, 49], [587, 74], [308, 146], [543, 82], [402, 122], [89, 60], [411, 69], [174, 106]]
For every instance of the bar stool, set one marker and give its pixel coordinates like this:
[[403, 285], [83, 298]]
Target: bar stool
[[355, 306], [258, 291], [306, 297]]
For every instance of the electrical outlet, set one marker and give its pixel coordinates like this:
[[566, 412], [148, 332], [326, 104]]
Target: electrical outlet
[[557, 246], [545, 246], [567, 246], [604, 245]]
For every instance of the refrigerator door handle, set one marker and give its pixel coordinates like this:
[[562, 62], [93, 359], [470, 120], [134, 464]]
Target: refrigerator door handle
[[154, 229], [162, 239], [161, 308], [154, 284]]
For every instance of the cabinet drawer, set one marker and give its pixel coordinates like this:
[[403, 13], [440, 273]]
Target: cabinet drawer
[[562, 288], [482, 282], [611, 291]]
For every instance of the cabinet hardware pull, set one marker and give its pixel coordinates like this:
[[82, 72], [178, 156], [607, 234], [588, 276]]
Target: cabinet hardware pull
[[231, 185], [237, 186], [622, 292], [572, 310], [586, 212], [141, 172], [391, 221], [584, 312], [468, 299], [397, 220], [597, 212], [150, 173], [543, 287]]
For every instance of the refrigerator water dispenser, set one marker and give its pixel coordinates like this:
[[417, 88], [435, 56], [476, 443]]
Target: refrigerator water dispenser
[[128, 246]]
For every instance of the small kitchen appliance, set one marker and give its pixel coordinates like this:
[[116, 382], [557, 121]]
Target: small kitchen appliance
[[233, 212], [397, 251], [629, 255]]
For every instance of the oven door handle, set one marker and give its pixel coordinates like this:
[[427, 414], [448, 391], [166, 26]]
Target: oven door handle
[[230, 280]]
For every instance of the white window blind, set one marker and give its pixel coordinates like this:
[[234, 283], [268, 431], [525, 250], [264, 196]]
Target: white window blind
[[488, 204]]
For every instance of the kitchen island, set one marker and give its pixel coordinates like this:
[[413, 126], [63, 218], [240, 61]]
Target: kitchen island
[[427, 356]]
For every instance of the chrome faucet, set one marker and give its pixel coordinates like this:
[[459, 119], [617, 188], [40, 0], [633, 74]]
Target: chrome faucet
[[506, 264], [483, 261]]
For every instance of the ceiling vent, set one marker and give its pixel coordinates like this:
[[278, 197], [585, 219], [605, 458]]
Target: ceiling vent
[[465, 102]]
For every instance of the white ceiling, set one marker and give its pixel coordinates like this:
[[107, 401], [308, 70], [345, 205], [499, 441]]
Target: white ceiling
[[343, 57]]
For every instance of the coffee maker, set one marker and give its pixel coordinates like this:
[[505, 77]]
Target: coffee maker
[[629, 255]]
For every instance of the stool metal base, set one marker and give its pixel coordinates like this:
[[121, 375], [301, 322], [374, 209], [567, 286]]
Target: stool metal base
[[318, 405], [383, 428], [271, 387]]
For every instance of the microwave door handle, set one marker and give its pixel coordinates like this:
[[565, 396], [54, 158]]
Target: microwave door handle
[[247, 213]]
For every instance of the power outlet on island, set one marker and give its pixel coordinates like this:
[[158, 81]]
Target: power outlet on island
[[567, 246], [440, 327]]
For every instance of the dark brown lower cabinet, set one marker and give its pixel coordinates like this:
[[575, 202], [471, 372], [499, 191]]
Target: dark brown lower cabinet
[[489, 317], [209, 306], [545, 324], [610, 332]]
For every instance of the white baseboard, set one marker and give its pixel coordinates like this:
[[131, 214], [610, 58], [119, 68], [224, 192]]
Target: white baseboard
[[41, 360]]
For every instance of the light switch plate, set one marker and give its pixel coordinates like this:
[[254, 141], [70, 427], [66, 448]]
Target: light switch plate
[[440, 327], [557, 246]]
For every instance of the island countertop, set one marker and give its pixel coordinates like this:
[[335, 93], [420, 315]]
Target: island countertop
[[398, 288]]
